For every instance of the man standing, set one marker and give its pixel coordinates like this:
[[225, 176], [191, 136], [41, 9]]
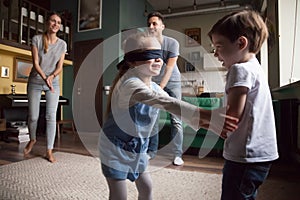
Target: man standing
[[169, 80]]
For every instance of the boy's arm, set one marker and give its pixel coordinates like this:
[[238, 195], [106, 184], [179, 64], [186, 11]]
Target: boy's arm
[[236, 100]]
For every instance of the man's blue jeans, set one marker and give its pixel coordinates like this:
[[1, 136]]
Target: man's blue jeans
[[34, 92], [174, 90], [241, 180]]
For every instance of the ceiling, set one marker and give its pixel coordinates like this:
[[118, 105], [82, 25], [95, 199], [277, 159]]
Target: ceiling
[[188, 5]]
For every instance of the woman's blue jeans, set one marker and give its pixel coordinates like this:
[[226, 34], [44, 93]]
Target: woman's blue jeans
[[34, 92], [241, 180]]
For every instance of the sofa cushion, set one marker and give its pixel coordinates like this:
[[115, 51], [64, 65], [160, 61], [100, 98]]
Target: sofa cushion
[[206, 103]]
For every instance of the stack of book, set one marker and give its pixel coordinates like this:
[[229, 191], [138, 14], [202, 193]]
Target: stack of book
[[18, 130]]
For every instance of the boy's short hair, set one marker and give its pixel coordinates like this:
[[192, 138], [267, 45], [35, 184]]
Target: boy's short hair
[[246, 23]]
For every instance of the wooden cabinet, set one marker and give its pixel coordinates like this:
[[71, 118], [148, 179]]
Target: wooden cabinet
[[22, 19]]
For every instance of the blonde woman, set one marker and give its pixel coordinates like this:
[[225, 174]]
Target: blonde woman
[[48, 53]]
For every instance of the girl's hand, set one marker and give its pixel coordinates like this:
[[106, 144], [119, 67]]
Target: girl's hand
[[223, 135], [220, 123], [230, 123]]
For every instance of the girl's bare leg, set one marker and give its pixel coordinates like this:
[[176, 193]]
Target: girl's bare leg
[[144, 186], [117, 189]]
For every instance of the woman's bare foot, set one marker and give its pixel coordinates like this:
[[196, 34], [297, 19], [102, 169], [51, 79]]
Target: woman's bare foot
[[28, 147], [50, 156]]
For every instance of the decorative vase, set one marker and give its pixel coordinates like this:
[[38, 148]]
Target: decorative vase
[[13, 89]]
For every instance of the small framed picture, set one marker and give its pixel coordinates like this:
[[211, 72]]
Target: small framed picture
[[189, 67], [193, 37], [22, 69], [195, 56], [4, 72]]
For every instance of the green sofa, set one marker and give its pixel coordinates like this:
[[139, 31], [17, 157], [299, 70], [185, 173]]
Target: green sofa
[[196, 139]]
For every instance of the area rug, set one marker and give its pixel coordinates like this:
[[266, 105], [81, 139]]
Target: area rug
[[79, 177]]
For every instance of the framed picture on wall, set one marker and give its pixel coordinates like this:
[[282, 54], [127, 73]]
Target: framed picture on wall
[[89, 15], [189, 67], [4, 72], [22, 68], [193, 37], [195, 56]]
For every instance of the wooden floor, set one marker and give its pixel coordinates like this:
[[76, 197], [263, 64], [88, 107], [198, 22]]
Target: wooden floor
[[281, 172]]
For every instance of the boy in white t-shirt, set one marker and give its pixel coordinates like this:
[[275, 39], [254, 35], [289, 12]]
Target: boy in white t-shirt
[[248, 150]]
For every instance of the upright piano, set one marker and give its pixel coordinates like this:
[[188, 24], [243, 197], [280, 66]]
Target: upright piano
[[15, 108], [21, 100]]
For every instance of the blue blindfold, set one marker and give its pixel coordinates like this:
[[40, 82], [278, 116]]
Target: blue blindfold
[[143, 55]]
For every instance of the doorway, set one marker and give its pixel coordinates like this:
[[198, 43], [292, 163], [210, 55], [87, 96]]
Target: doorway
[[82, 49]]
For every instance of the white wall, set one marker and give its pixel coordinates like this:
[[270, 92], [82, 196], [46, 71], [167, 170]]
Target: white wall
[[213, 80], [204, 22], [289, 40]]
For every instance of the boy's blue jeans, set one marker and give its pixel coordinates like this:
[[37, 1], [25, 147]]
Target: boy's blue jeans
[[241, 180], [34, 92]]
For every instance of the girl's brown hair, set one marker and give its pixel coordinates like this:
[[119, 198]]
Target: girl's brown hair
[[45, 37], [135, 42], [247, 23]]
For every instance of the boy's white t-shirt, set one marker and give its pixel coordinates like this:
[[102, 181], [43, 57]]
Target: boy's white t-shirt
[[255, 138]]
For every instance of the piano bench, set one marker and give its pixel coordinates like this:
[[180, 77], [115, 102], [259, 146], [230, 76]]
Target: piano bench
[[61, 128]]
